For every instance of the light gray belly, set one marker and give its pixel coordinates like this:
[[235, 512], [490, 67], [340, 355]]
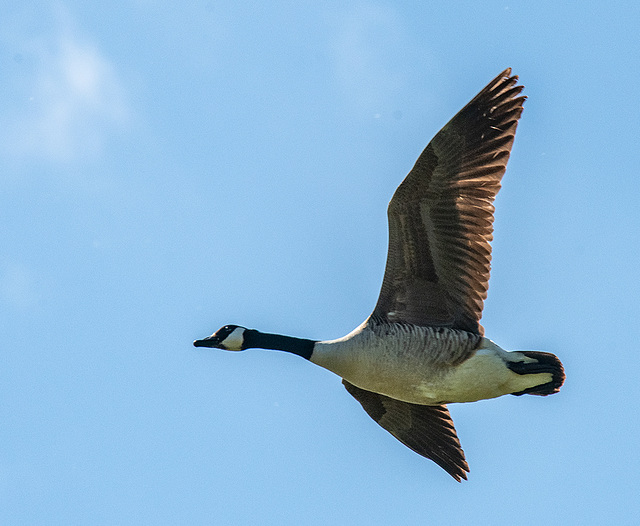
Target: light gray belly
[[420, 365]]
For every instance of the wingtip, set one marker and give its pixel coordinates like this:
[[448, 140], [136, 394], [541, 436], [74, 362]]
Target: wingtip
[[459, 476], [500, 86], [458, 471], [506, 74]]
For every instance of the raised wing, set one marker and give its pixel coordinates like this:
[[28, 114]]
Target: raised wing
[[441, 216], [426, 429]]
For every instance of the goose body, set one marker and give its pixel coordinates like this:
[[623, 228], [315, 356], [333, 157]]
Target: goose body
[[423, 346], [435, 365]]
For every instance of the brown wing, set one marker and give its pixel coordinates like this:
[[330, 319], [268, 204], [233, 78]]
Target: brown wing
[[426, 429], [441, 216]]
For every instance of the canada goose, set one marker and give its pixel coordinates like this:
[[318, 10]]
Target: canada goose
[[423, 345]]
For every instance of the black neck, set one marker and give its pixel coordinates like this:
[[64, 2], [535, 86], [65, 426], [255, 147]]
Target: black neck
[[263, 340]]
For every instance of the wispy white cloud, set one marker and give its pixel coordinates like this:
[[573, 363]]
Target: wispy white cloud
[[67, 96]]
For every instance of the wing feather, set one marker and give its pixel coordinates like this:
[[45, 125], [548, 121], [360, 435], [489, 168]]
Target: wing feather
[[428, 430], [441, 216]]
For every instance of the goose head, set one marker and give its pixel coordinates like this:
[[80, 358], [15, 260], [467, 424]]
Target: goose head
[[229, 338]]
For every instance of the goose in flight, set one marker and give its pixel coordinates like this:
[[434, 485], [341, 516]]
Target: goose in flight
[[423, 346]]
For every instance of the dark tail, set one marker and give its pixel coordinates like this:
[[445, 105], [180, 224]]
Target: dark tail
[[545, 363]]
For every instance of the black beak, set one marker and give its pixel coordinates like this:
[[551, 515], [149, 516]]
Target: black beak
[[211, 341]]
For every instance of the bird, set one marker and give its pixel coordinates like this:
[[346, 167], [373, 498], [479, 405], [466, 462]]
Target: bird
[[423, 346]]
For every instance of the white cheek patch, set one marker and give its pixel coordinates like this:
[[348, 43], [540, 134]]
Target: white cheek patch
[[234, 341]]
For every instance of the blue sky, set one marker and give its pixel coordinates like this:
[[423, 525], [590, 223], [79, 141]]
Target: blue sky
[[167, 169]]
